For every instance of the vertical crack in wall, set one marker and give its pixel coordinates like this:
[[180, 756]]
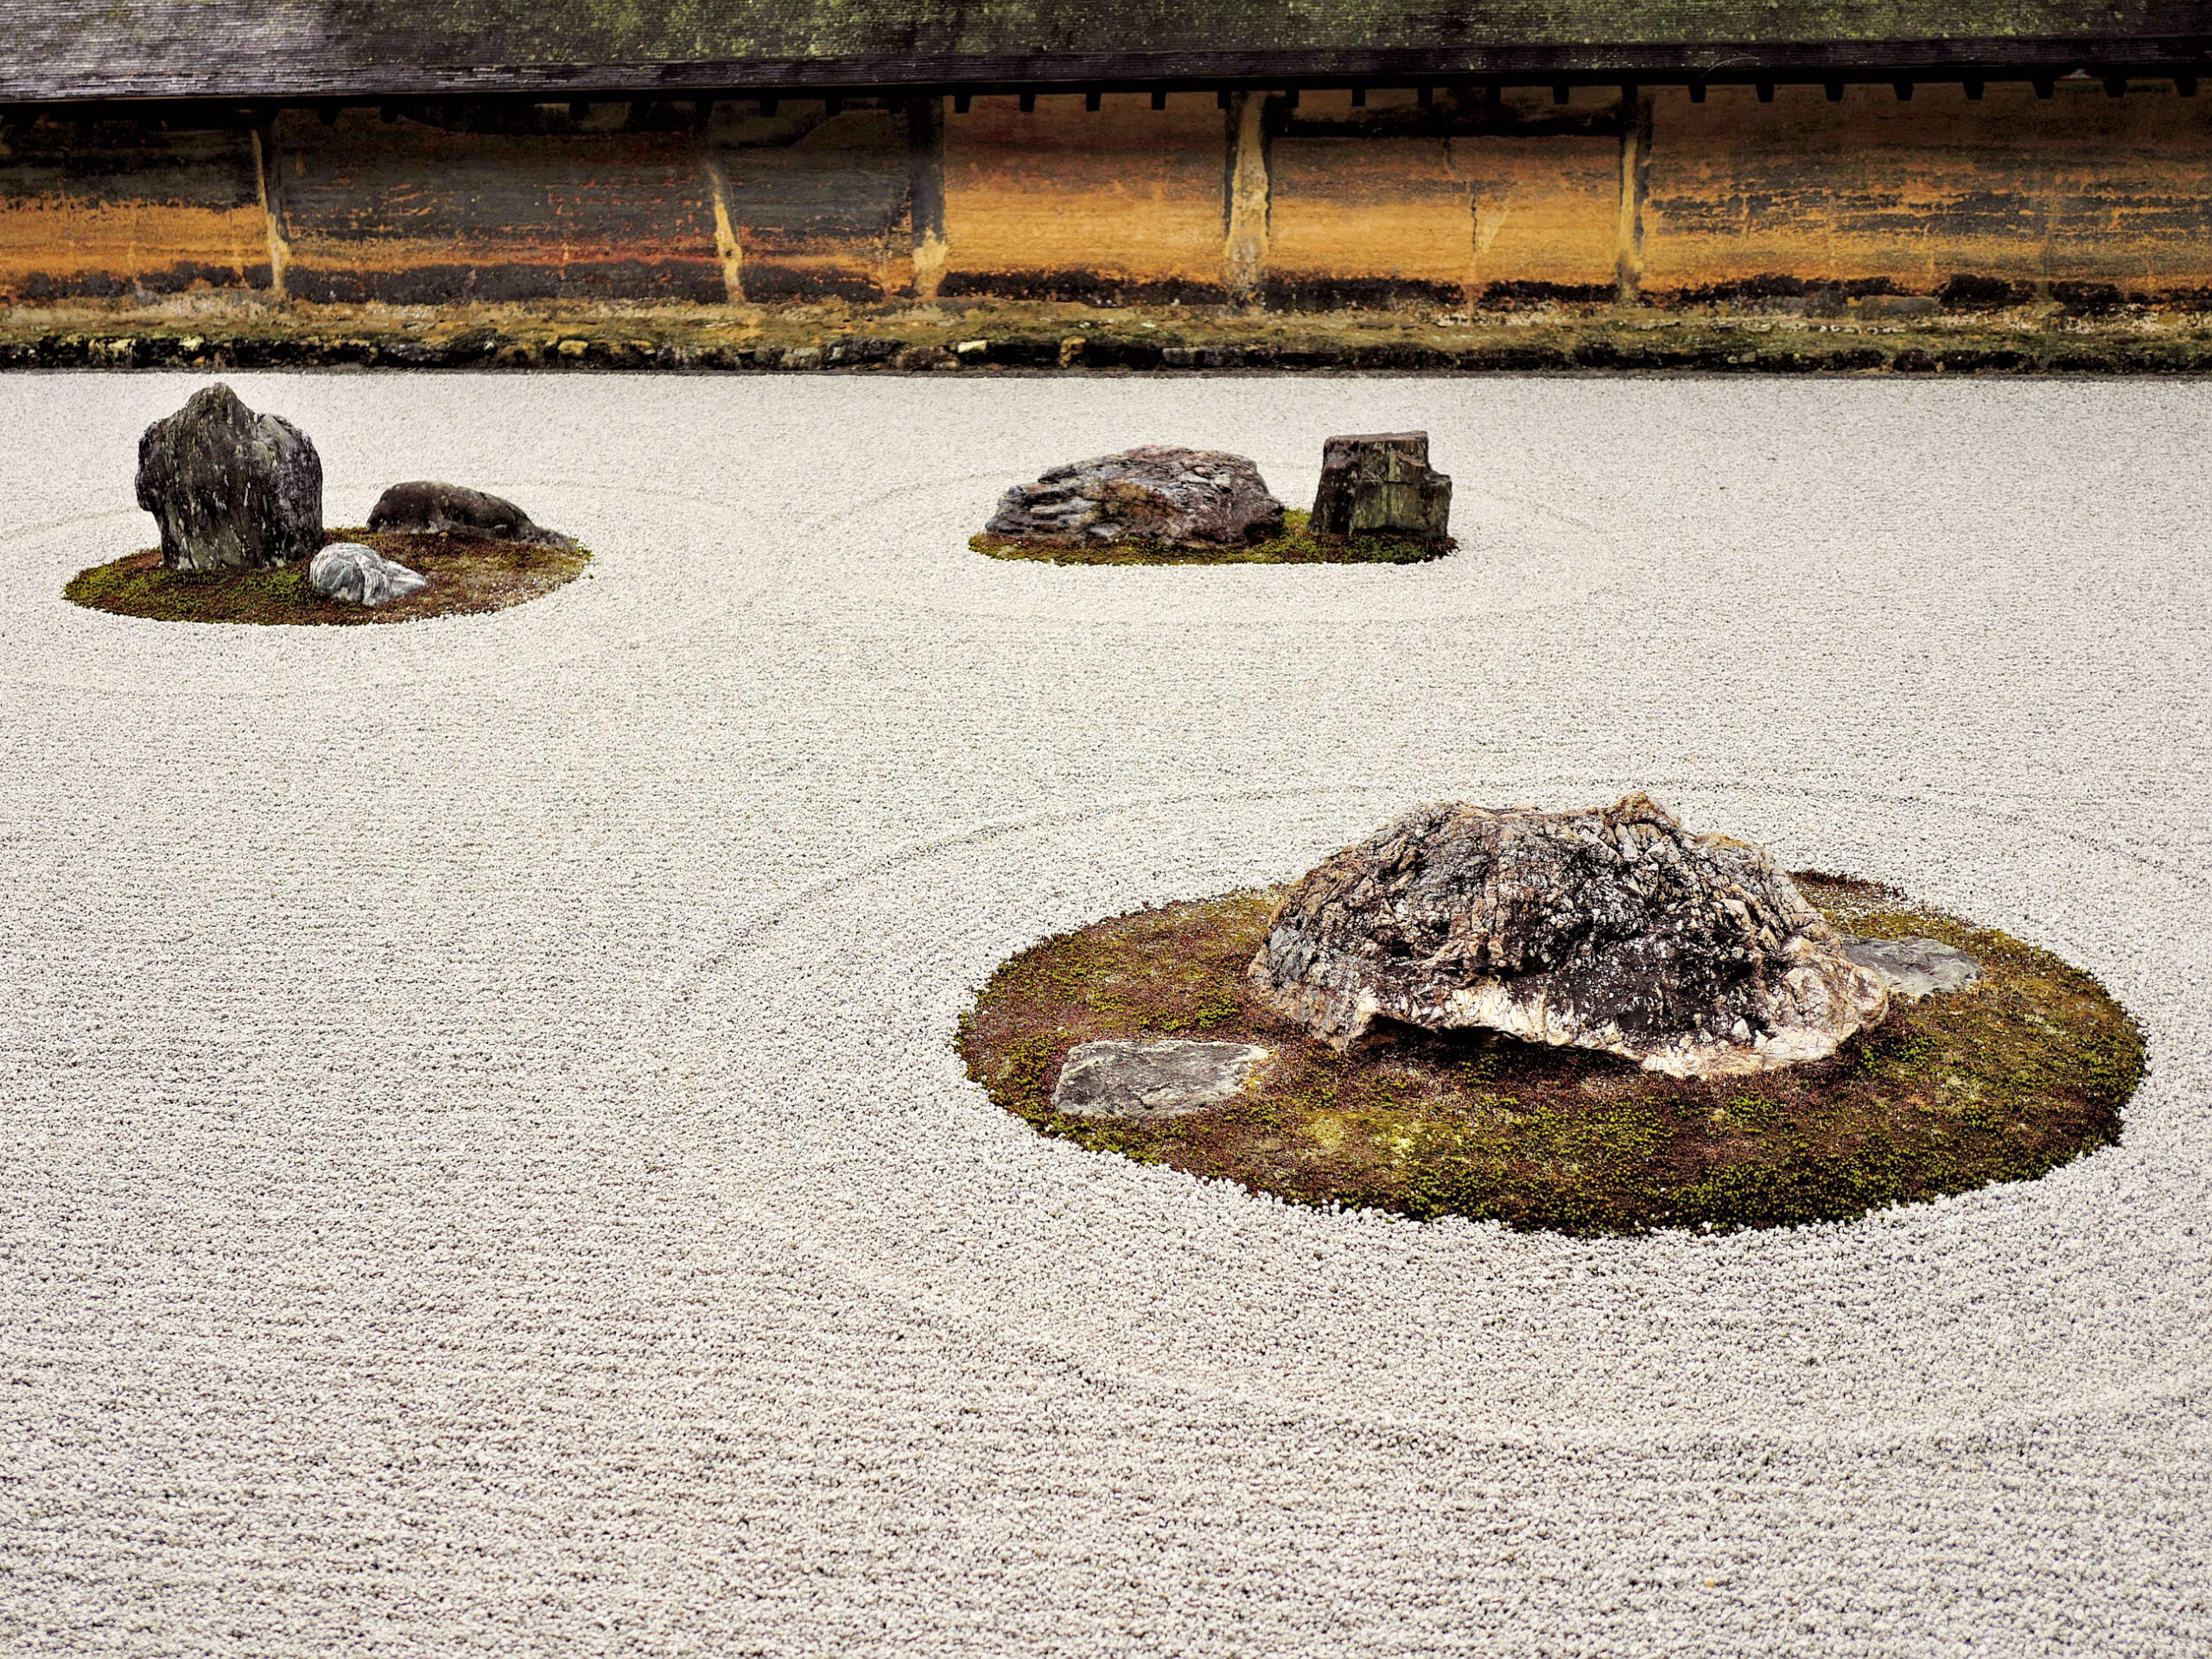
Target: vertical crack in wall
[[1244, 253], [925, 192], [272, 188], [1636, 187], [727, 249], [1471, 285]]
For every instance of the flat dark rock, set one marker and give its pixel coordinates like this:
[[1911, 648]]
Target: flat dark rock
[[424, 506], [1153, 1077]]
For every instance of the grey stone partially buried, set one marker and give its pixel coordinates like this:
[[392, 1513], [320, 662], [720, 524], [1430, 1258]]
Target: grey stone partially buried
[[425, 505], [1152, 1078], [1914, 968]]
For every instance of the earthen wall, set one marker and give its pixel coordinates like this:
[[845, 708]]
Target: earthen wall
[[1480, 198]]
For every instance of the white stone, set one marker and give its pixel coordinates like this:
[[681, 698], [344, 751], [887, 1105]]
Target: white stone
[[355, 575]]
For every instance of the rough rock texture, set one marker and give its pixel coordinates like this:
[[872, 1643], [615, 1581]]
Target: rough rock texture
[[1152, 1076], [231, 490], [1914, 968], [1382, 484], [357, 575], [1174, 495], [1612, 928], [423, 504]]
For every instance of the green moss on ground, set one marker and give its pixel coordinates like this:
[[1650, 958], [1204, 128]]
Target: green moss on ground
[[2002, 1082], [1296, 545], [468, 576]]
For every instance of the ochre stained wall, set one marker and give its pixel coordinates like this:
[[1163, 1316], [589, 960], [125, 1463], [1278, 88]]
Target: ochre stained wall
[[1064, 202], [406, 211], [1476, 199], [1523, 197], [2078, 187], [113, 207]]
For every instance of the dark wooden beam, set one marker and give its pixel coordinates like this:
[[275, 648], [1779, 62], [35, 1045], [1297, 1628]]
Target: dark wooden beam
[[294, 79]]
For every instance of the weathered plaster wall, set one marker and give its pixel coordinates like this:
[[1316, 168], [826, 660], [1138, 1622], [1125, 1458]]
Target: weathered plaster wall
[[1064, 202], [406, 211], [107, 207], [819, 203], [1319, 202], [2078, 187]]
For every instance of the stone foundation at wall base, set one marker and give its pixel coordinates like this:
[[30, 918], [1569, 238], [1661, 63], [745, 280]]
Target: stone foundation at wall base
[[1740, 336]]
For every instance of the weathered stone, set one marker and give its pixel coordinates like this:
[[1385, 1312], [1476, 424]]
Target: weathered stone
[[1148, 1078], [1382, 485], [1156, 493], [422, 505], [1914, 968], [231, 490], [1612, 929], [360, 575]]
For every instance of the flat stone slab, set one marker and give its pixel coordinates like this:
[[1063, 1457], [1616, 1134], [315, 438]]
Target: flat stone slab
[[1153, 1076], [1914, 968]]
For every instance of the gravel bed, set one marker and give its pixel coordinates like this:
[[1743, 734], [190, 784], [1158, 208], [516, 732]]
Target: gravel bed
[[486, 1170]]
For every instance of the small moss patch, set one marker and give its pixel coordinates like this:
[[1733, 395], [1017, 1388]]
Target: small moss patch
[[467, 574], [1296, 545], [2002, 1082]]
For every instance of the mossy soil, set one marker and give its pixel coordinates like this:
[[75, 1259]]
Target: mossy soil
[[1296, 545], [468, 576], [2002, 1082]]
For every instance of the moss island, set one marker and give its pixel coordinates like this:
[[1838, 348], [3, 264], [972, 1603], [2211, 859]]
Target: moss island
[[1296, 544], [469, 575], [2001, 1082]]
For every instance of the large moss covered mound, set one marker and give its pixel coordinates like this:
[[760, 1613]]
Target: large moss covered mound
[[2002, 1082], [468, 575]]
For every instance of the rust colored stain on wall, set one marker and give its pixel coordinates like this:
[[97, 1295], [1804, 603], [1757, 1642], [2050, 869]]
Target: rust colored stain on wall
[[2080, 186], [819, 202], [116, 207], [1066, 200], [1547, 210], [1448, 217], [405, 212]]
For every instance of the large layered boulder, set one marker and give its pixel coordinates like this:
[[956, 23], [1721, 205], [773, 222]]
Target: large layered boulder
[[1612, 929], [231, 490], [425, 505], [1156, 492], [1381, 484]]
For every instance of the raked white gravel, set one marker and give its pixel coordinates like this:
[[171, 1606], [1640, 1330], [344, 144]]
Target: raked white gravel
[[485, 1172]]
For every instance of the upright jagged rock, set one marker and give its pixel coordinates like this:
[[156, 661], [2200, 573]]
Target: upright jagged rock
[[1156, 492], [1612, 929], [231, 490], [1382, 485], [424, 504]]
